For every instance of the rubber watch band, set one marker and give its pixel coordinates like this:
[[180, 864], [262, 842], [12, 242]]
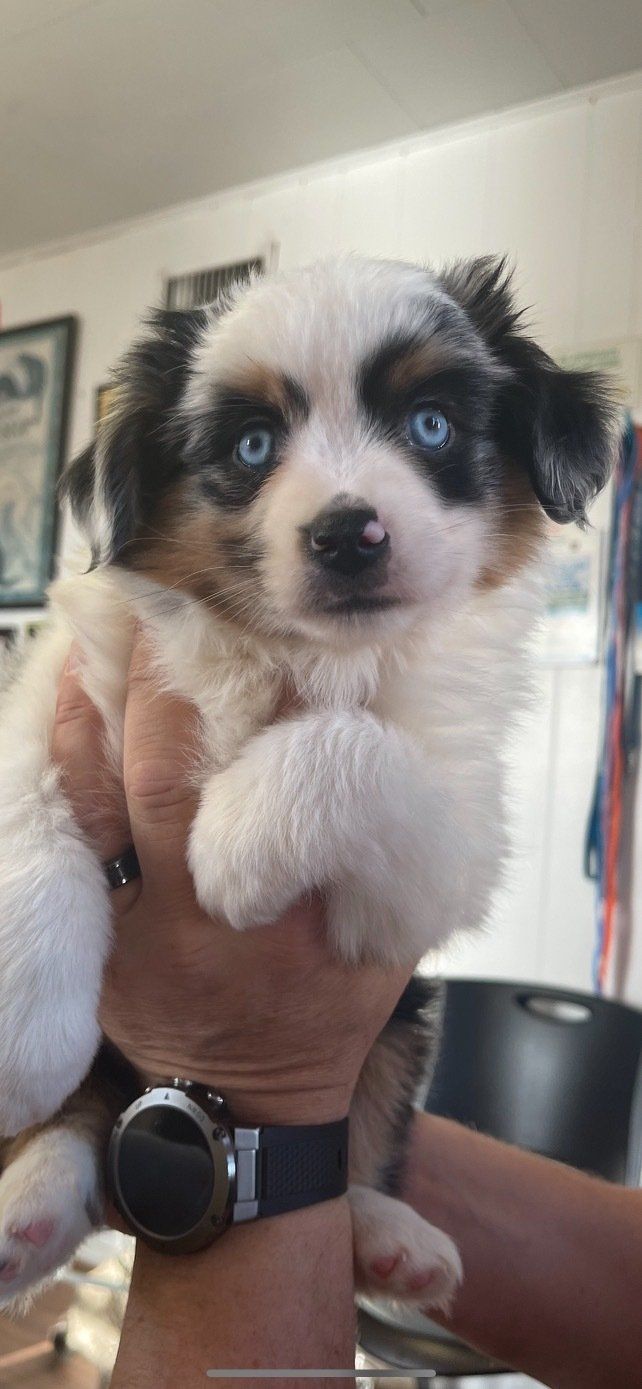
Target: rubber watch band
[[301, 1165]]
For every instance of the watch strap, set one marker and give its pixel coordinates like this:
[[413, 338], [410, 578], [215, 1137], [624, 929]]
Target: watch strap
[[287, 1167], [302, 1165]]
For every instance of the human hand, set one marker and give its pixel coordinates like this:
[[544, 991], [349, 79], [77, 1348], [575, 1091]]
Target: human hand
[[269, 1017]]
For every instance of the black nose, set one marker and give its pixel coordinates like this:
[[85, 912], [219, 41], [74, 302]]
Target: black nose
[[348, 539]]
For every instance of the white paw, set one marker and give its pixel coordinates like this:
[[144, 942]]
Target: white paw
[[54, 935], [49, 1201], [399, 1255], [32, 1088], [238, 873]]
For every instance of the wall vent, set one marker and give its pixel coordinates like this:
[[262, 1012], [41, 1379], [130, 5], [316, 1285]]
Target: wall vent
[[204, 286]]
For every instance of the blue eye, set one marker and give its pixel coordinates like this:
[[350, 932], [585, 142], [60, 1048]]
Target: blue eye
[[427, 427], [255, 448]]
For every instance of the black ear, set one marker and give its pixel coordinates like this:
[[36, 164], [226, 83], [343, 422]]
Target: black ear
[[561, 426], [137, 450], [78, 485]]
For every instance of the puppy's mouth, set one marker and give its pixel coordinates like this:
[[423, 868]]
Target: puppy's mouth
[[358, 604]]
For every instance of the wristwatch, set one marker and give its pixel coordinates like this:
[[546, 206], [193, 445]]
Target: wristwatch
[[180, 1171]]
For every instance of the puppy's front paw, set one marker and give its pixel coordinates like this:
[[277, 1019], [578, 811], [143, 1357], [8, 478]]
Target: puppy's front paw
[[54, 935], [399, 1255], [49, 1202], [233, 857]]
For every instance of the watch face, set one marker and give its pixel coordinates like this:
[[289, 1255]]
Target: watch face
[[165, 1171]]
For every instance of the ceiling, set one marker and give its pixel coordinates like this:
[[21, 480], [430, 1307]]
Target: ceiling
[[112, 108]]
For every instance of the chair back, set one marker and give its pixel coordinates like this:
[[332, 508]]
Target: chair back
[[551, 1070]]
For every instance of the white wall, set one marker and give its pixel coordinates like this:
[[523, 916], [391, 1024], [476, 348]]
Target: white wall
[[559, 187]]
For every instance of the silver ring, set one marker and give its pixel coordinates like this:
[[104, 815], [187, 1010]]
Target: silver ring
[[124, 869]]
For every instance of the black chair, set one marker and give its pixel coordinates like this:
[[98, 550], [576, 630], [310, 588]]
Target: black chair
[[557, 1072]]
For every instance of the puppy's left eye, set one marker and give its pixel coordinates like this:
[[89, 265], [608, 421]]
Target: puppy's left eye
[[256, 445], [427, 428]]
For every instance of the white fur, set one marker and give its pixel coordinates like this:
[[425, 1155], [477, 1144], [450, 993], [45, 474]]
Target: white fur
[[320, 321], [386, 793], [52, 1185], [54, 909]]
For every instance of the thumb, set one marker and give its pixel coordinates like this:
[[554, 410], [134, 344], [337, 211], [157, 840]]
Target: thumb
[[161, 753]]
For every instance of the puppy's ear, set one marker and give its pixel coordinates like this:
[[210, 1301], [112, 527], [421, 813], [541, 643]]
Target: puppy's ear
[[78, 486], [561, 426], [114, 483]]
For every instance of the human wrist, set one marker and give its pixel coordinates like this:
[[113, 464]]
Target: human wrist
[[251, 1298], [262, 1102], [279, 1107]]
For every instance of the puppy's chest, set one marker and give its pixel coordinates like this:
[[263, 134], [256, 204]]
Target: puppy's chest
[[233, 708], [236, 705]]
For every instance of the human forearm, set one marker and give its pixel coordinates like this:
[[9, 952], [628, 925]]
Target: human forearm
[[552, 1258], [274, 1294]]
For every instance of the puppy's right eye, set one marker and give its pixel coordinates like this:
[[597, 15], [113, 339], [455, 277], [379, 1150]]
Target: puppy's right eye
[[256, 445]]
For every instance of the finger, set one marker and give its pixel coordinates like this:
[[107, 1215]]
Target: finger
[[78, 749], [161, 749]]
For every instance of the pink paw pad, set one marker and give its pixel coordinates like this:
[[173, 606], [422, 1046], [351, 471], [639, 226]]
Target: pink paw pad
[[9, 1270], [382, 1268], [419, 1281], [38, 1232]]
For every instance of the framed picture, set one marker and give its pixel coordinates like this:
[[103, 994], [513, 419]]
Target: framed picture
[[35, 378]]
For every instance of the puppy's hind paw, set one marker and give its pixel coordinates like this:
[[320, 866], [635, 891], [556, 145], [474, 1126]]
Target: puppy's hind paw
[[399, 1255], [49, 1202]]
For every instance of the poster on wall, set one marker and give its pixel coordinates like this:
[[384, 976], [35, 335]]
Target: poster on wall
[[35, 372], [574, 590]]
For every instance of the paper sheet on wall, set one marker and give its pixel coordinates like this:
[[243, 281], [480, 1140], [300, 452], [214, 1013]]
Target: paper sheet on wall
[[574, 591]]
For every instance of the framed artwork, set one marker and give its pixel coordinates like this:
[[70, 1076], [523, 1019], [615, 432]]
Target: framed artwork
[[35, 379]]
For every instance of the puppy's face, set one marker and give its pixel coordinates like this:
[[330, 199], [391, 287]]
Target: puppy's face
[[342, 448]]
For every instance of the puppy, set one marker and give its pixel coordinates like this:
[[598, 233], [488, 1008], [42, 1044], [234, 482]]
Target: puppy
[[333, 484]]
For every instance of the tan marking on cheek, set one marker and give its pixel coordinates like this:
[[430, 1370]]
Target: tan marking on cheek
[[205, 551], [518, 529]]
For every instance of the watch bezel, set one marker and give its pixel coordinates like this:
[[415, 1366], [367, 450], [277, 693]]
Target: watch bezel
[[220, 1143]]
